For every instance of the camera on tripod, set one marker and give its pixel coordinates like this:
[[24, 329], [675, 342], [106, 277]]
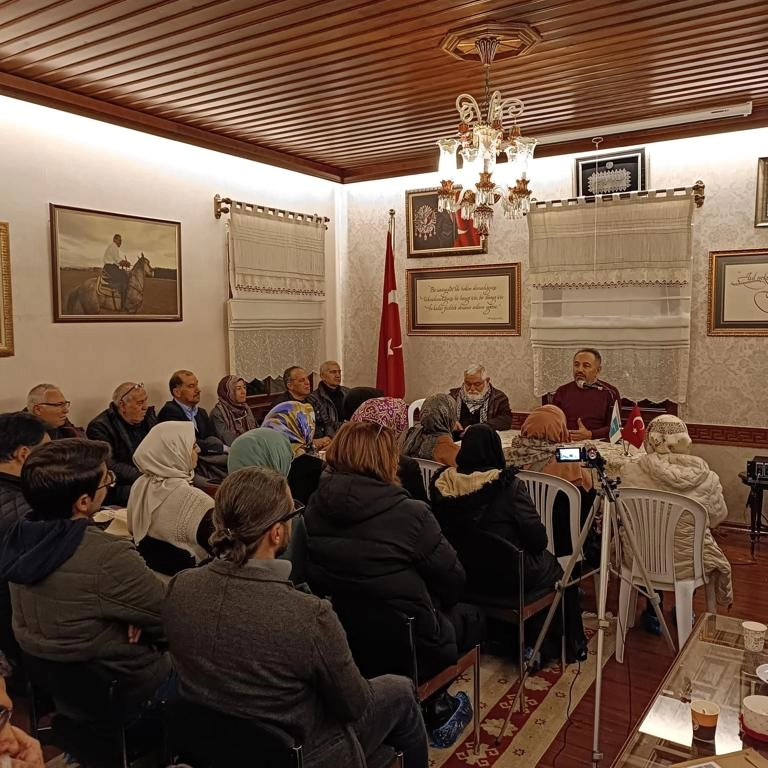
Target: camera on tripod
[[585, 454]]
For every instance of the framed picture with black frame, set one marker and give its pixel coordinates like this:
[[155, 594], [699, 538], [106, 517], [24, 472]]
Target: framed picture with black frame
[[610, 172], [738, 293]]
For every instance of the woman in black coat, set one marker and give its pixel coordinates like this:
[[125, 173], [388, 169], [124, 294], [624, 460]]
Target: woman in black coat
[[482, 496], [368, 540]]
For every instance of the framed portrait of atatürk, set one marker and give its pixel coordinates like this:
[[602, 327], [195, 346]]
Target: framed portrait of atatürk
[[738, 293], [111, 267], [431, 232], [610, 172]]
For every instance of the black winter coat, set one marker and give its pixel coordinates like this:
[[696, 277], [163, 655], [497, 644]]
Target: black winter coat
[[498, 503], [124, 439], [209, 442], [370, 539]]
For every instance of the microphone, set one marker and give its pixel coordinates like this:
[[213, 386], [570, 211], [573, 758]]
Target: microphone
[[581, 384]]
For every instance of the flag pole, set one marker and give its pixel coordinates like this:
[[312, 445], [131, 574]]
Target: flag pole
[[392, 226]]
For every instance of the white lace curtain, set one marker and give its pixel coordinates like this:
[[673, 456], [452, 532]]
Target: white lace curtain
[[276, 253], [614, 275]]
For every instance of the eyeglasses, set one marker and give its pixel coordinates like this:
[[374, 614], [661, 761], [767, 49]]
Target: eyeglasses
[[111, 481], [62, 404], [5, 716], [138, 385]]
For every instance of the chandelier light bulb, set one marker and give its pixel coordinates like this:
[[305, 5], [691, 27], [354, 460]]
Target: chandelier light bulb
[[447, 164]]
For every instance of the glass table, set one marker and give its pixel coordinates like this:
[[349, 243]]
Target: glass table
[[712, 665]]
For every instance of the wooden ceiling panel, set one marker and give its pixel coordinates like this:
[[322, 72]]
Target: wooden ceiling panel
[[354, 90]]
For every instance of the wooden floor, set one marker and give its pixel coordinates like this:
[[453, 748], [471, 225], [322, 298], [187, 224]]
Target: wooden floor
[[628, 687]]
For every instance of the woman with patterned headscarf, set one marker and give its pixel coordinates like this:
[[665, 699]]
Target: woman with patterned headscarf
[[296, 421], [392, 413], [668, 466], [232, 416], [432, 437]]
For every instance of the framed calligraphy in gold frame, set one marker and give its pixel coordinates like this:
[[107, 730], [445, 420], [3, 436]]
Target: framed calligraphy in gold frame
[[464, 301], [738, 293], [6, 308]]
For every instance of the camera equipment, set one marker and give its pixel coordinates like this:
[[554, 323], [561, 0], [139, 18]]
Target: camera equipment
[[757, 469], [586, 454]]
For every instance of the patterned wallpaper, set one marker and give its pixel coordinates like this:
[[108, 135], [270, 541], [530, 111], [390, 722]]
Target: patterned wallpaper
[[727, 375]]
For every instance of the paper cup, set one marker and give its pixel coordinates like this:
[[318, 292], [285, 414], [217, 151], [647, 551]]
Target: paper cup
[[754, 635], [704, 716]]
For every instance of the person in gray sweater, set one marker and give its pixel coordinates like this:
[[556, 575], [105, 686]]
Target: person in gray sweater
[[246, 642]]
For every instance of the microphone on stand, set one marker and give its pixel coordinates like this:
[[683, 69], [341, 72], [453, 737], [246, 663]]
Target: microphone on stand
[[581, 384]]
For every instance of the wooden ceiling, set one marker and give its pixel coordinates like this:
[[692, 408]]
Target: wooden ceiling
[[352, 90]]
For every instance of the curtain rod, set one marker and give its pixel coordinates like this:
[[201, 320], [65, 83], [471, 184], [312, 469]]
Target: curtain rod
[[226, 204], [697, 189]]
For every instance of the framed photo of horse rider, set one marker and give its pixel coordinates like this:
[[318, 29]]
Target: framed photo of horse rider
[[112, 267]]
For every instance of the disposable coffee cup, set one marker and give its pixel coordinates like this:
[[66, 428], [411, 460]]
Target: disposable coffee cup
[[754, 635], [704, 716]]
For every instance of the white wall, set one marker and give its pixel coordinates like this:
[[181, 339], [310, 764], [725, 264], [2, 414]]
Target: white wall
[[49, 156]]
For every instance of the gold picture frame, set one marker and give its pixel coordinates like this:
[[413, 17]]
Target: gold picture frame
[[738, 293], [761, 198], [464, 301], [6, 299]]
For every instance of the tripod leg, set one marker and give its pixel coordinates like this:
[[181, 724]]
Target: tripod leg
[[525, 669]]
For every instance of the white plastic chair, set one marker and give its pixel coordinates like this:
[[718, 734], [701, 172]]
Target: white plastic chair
[[653, 517], [428, 469], [543, 489], [413, 408]]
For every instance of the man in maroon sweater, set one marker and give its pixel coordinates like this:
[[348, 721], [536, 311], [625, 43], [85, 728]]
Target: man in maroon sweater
[[587, 401]]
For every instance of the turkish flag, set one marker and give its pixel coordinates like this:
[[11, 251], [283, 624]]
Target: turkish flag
[[390, 374], [634, 430]]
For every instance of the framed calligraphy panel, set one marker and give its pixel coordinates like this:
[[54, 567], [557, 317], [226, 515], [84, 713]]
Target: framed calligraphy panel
[[738, 293], [438, 233], [761, 199], [464, 301]]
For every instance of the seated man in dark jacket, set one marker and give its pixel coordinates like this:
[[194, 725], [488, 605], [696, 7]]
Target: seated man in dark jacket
[[19, 434], [478, 402], [328, 400], [80, 594], [124, 425], [47, 402], [185, 406]]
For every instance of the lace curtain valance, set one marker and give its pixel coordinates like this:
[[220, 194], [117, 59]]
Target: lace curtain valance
[[622, 286], [626, 241], [274, 254]]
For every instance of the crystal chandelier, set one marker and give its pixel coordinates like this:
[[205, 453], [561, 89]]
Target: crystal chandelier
[[480, 183]]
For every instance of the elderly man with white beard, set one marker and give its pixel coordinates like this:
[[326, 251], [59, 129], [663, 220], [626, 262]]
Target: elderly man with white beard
[[478, 402]]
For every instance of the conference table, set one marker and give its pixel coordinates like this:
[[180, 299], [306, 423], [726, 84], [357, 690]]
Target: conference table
[[615, 454]]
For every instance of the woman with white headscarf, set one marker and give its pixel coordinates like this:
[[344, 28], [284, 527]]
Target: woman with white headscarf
[[668, 466], [164, 506]]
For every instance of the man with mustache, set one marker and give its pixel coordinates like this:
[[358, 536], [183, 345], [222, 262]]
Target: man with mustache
[[587, 401], [477, 402]]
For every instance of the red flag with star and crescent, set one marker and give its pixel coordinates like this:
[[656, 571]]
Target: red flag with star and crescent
[[390, 374], [634, 430]]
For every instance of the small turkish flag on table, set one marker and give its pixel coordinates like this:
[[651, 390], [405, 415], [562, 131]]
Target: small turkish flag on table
[[634, 430]]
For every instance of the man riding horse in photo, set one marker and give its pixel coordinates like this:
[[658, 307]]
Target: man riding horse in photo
[[115, 268]]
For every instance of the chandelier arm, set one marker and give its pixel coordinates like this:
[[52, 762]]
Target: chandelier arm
[[468, 108]]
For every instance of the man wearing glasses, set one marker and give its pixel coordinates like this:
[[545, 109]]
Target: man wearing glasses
[[477, 402], [123, 425], [47, 402]]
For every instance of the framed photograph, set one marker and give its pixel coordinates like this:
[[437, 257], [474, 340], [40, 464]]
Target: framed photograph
[[761, 199], [6, 307], [607, 172], [109, 267], [434, 233], [464, 301], [738, 293]]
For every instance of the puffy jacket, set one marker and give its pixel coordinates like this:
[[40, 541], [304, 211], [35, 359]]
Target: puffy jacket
[[327, 419], [367, 538], [80, 609]]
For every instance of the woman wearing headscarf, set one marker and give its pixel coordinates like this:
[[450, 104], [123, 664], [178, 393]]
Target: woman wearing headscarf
[[392, 413], [296, 421], [482, 495], [164, 508], [432, 437], [668, 466], [543, 431], [232, 416], [355, 398]]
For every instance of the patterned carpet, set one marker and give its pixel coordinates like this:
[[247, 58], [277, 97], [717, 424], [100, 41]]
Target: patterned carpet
[[531, 731]]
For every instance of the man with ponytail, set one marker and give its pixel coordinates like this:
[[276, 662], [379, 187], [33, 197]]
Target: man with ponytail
[[249, 644]]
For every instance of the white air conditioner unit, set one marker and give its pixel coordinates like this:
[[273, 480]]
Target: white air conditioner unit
[[698, 116]]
